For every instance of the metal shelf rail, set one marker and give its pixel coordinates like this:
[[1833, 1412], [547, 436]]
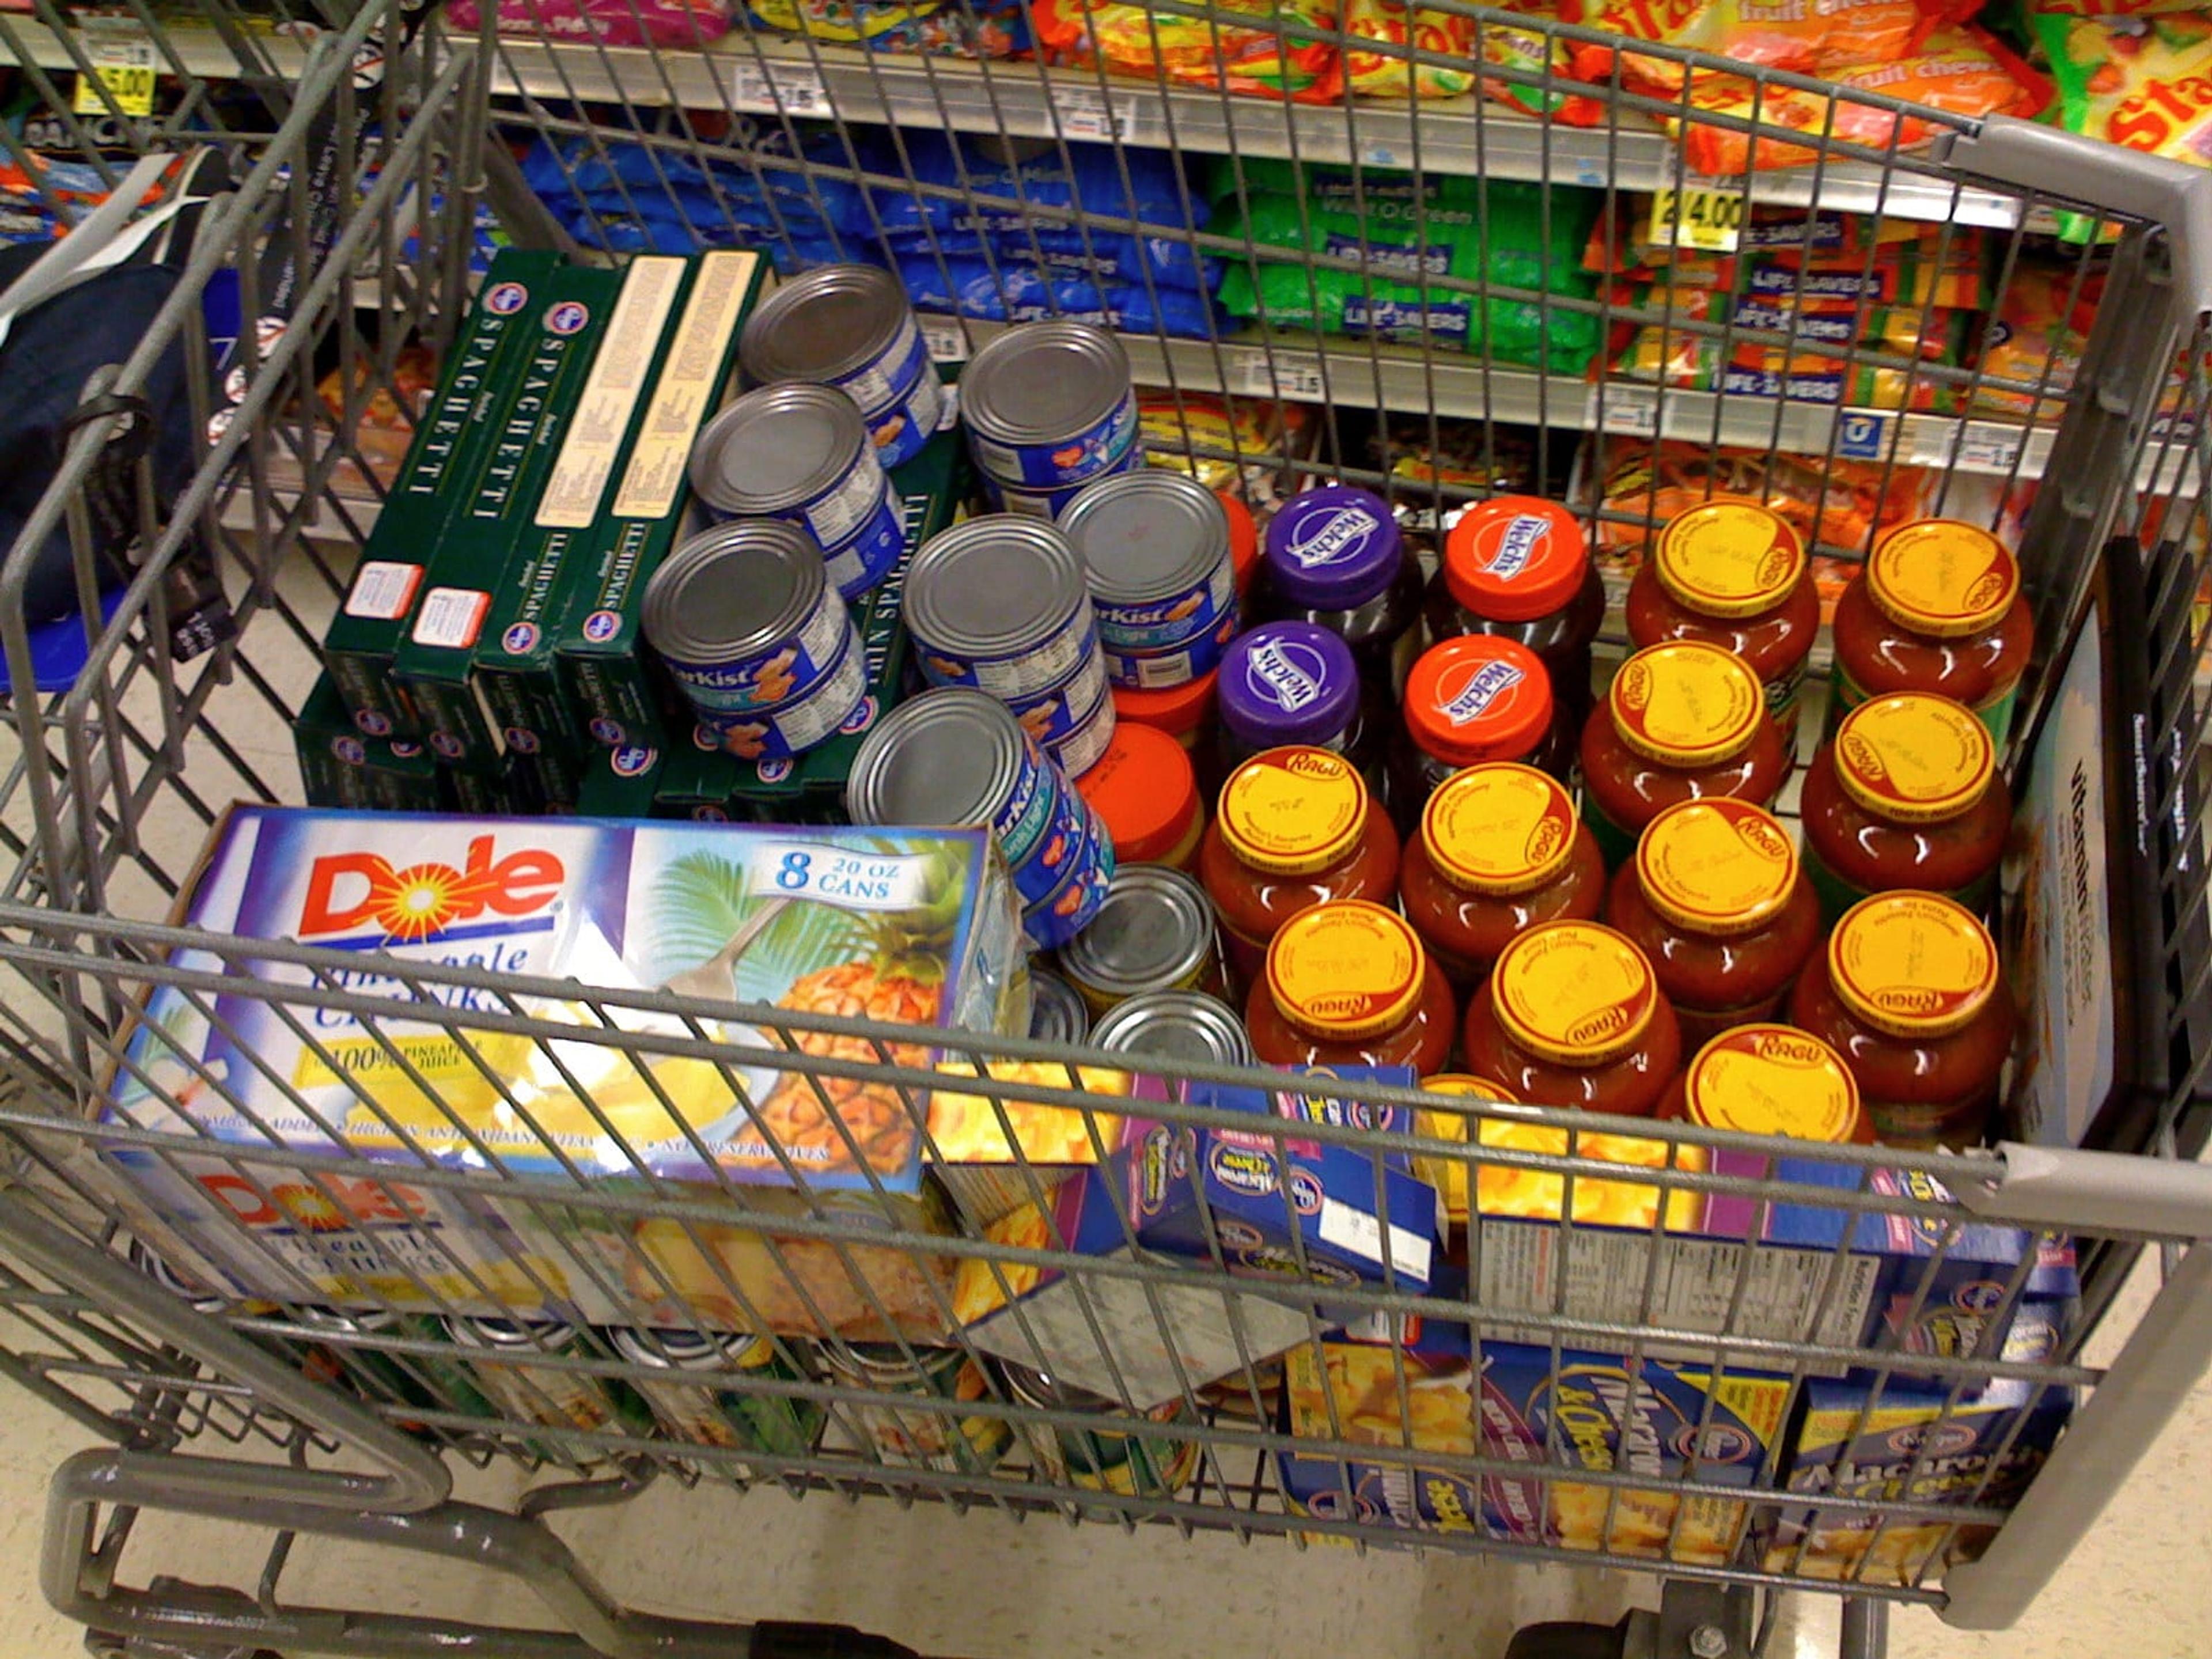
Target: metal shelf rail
[[322, 1311]]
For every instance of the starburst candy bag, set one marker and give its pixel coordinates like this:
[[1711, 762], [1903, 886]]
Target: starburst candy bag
[[1280, 55], [1809, 38]]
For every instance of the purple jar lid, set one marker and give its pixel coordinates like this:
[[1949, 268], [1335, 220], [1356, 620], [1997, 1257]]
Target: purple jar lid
[[1333, 548], [1288, 682]]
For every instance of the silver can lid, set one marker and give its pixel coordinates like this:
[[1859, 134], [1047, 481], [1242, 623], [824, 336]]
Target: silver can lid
[[778, 448], [1031, 1387], [734, 591], [358, 1321], [946, 758], [824, 324], [492, 1333], [679, 1350], [1186, 1025], [1043, 383], [994, 587], [886, 1362], [1058, 1012], [1147, 534], [1154, 930]]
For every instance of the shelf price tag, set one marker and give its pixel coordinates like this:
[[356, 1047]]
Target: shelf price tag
[[946, 342], [1087, 112], [787, 87], [1305, 382], [123, 65], [1700, 216], [1989, 448], [1632, 411]]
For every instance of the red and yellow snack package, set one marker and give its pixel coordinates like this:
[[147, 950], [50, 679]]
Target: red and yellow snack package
[[2144, 81], [2040, 325], [1279, 56], [1961, 70], [1812, 37], [1374, 74]]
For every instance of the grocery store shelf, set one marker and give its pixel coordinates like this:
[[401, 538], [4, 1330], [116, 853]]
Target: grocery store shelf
[[194, 50], [1462, 136]]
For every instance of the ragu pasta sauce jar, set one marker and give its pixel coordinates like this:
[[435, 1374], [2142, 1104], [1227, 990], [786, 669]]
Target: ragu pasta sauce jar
[[1714, 899], [1938, 608], [1347, 984], [1573, 1016], [1910, 993], [1681, 721], [1733, 573], [1767, 1079]]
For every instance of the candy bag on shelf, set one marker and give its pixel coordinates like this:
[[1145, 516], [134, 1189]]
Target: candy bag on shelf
[[2035, 338], [1381, 75], [1279, 56], [611, 22], [2145, 83], [1783, 34], [943, 28], [1964, 71]]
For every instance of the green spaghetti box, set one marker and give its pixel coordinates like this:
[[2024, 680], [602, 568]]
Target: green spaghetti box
[[364, 637], [471, 554], [620, 783], [512, 661], [617, 698], [341, 765]]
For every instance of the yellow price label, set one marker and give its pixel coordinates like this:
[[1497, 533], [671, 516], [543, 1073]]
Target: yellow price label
[[125, 69], [1696, 216]]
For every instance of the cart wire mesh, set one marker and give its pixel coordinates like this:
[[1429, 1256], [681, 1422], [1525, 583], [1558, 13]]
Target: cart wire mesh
[[1441, 299]]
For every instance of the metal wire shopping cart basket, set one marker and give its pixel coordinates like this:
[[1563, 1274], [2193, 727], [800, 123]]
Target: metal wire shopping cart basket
[[345, 178]]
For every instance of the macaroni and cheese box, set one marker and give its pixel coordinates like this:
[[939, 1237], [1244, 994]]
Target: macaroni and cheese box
[[1905, 1446], [1267, 1202], [918, 927], [991, 1166], [1601, 1269]]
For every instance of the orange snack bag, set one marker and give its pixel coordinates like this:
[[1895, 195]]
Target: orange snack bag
[[1812, 37], [1279, 56]]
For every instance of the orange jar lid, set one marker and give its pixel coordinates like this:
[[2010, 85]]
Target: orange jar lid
[[1513, 558], [1144, 787], [1499, 828], [1345, 969], [1574, 992], [1177, 710], [1914, 757], [1293, 811], [1719, 867], [1913, 964], [1729, 557], [1774, 1080], [1244, 540], [1942, 577], [1687, 703], [1478, 698]]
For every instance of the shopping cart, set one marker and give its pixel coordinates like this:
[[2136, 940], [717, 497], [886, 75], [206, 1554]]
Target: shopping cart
[[369, 164]]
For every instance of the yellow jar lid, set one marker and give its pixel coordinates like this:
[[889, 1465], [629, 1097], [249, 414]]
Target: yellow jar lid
[[1345, 969], [1500, 827], [1942, 576], [1913, 964], [1292, 810], [1730, 557], [1914, 757], [1719, 866], [1773, 1080], [1687, 703], [1574, 992]]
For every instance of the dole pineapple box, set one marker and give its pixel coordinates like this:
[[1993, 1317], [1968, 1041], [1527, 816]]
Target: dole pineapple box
[[920, 928]]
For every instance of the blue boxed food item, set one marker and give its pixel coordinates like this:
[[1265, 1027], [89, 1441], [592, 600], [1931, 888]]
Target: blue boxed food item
[[1982, 1451]]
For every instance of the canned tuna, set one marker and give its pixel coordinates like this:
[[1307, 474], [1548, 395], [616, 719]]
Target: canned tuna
[[1048, 404], [1154, 932], [802, 453], [747, 622], [692, 1406], [925, 1436], [999, 604], [1057, 1013], [1062, 719], [1102, 1458], [1049, 504], [540, 1394], [957, 757], [850, 327], [1175, 1025], [1155, 547], [1069, 908]]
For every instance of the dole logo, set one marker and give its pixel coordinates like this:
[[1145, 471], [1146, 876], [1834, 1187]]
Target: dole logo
[[346, 889], [1336, 539], [1517, 547]]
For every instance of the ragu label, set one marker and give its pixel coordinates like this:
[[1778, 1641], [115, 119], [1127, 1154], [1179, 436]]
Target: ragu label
[[425, 900], [1340, 535]]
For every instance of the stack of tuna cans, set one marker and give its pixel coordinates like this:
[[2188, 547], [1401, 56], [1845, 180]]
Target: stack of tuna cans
[[850, 327], [957, 757], [1049, 408], [1155, 548], [802, 453], [1000, 605]]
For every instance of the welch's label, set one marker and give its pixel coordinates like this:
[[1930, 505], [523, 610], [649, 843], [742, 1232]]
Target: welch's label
[[1518, 545], [1341, 535], [1484, 687], [1271, 672]]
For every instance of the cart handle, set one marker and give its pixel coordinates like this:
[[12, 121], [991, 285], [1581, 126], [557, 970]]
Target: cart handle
[[2093, 1192]]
